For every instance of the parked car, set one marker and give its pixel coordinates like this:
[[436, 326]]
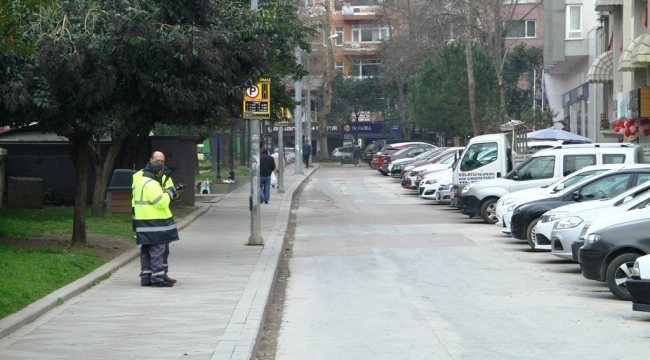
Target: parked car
[[395, 168], [605, 185], [565, 225], [445, 192], [430, 185], [542, 168], [611, 248], [638, 285], [343, 152], [507, 204], [408, 152], [436, 158], [376, 146], [390, 149], [413, 178]]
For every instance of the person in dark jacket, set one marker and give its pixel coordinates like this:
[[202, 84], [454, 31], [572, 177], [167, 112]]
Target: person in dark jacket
[[267, 165], [306, 151], [154, 224]]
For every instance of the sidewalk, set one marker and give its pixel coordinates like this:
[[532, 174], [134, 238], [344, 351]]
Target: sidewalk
[[215, 311]]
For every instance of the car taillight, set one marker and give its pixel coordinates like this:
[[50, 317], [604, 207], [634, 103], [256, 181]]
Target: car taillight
[[389, 159], [334, 152]]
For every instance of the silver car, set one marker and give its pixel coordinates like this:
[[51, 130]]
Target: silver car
[[572, 227]]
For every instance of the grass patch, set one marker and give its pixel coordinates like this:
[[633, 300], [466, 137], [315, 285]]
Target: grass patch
[[28, 275], [59, 221]]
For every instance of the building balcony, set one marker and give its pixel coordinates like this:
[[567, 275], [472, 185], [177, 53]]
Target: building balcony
[[358, 13], [360, 49]]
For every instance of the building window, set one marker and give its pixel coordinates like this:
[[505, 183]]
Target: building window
[[523, 29], [338, 66], [366, 67], [574, 22], [369, 33], [339, 38]]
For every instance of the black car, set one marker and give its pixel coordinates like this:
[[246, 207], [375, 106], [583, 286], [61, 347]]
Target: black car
[[609, 254], [603, 186]]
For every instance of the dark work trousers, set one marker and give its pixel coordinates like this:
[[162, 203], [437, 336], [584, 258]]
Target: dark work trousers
[[305, 160], [166, 258], [151, 263]]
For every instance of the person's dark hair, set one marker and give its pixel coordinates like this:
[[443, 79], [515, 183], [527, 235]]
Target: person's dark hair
[[264, 151], [155, 166]]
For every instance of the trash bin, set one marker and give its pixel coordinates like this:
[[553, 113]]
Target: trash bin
[[119, 193]]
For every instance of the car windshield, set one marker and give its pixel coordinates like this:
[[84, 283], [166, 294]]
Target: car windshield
[[478, 155]]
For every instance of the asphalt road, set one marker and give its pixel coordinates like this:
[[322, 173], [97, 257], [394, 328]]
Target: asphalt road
[[378, 273]]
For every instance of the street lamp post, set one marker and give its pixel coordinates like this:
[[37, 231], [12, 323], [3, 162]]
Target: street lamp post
[[297, 118]]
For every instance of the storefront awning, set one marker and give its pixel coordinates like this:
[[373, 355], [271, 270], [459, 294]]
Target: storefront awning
[[625, 60], [601, 70], [608, 5], [641, 52]]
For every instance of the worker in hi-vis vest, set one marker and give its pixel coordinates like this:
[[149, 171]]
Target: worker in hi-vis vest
[[154, 225], [166, 182]]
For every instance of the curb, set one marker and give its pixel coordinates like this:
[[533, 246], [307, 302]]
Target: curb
[[28, 314], [244, 330]]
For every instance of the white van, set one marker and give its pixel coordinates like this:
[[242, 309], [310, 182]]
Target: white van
[[540, 169]]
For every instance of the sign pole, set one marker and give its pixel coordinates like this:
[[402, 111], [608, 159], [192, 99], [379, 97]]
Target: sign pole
[[281, 159], [257, 106], [297, 119]]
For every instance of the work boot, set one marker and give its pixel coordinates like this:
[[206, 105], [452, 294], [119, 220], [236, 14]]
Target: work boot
[[169, 280], [162, 284]]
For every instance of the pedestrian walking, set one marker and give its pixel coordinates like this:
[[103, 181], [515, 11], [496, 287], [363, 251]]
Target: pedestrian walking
[[267, 165], [306, 151], [356, 154], [154, 225], [165, 182], [276, 160]]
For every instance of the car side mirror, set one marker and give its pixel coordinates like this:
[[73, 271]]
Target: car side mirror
[[576, 195], [627, 198], [559, 187], [515, 175]]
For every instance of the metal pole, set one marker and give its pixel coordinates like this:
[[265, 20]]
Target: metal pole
[[254, 201], [281, 160], [308, 106], [298, 119]]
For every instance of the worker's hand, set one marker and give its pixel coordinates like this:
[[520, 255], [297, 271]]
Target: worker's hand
[[171, 192]]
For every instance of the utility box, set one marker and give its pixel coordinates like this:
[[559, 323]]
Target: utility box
[[119, 193], [24, 193]]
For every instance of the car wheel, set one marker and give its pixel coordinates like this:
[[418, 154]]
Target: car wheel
[[617, 272], [530, 234], [384, 173], [489, 211]]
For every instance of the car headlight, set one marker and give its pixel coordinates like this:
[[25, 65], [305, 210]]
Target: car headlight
[[409, 168], [569, 222], [636, 271], [467, 188], [553, 216], [512, 207], [592, 238], [445, 187], [505, 202], [516, 211], [431, 181], [414, 173]]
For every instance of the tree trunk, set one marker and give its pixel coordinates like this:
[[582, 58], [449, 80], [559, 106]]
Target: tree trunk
[[471, 84], [225, 154], [78, 141], [404, 119], [104, 167]]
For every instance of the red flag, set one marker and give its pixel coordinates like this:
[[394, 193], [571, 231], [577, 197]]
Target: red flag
[[611, 42]]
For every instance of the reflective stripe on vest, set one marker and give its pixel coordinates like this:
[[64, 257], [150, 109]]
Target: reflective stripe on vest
[[143, 202]]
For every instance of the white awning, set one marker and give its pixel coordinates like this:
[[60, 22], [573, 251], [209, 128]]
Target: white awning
[[625, 60], [608, 5], [641, 52], [601, 71]]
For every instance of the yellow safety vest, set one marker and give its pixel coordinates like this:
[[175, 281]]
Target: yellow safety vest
[[166, 181], [152, 219]]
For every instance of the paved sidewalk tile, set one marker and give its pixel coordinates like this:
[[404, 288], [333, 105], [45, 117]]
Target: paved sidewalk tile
[[215, 311]]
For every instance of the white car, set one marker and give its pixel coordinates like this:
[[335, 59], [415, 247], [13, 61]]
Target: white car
[[410, 180], [507, 204], [568, 223], [445, 192], [429, 185]]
